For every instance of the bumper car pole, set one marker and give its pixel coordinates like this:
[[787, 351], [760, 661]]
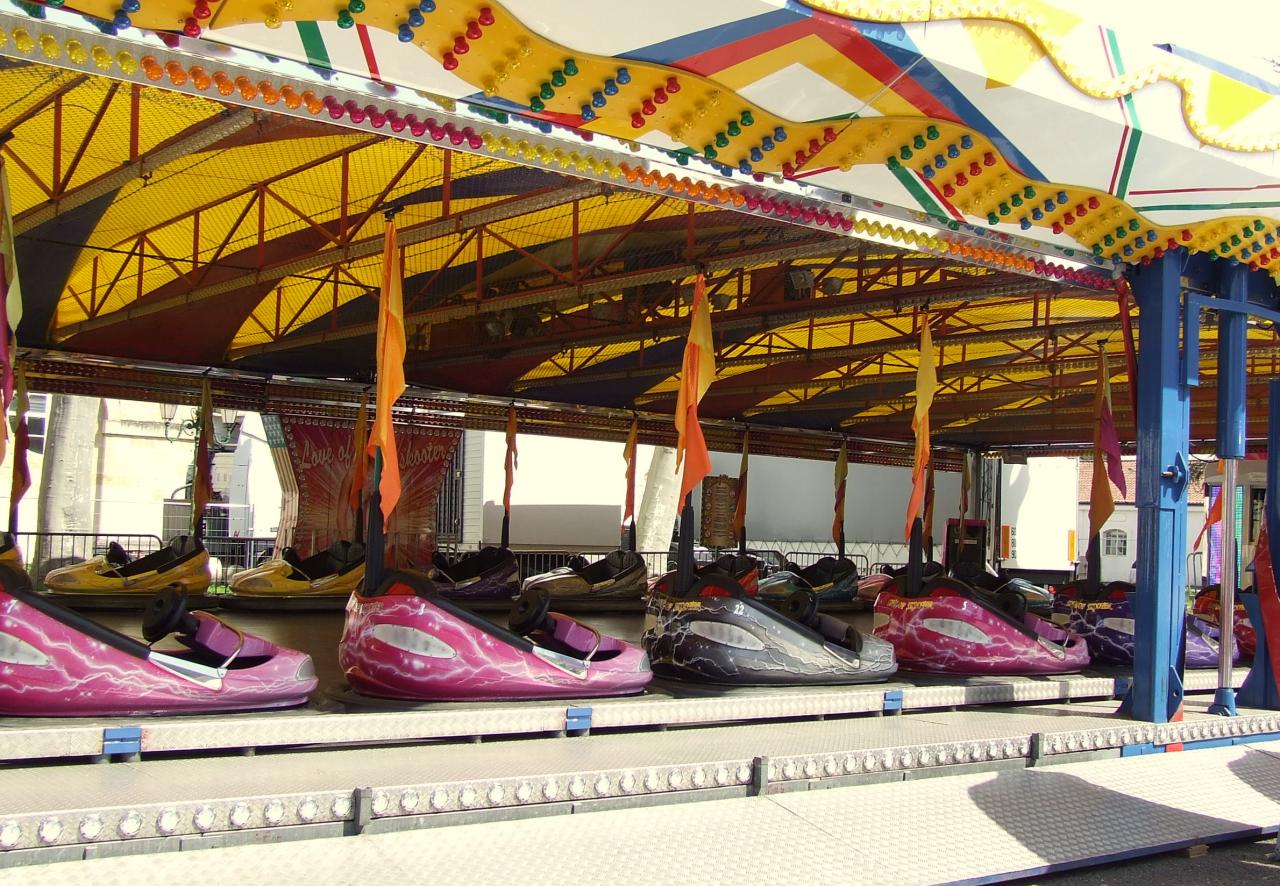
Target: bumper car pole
[[1232, 380], [684, 551], [376, 549]]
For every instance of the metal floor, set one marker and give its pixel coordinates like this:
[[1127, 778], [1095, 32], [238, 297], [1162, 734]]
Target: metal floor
[[84, 810], [969, 828]]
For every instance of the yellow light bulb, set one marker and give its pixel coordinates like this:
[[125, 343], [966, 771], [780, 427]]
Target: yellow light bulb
[[22, 40], [49, 46], [127, 62], [76, 52]]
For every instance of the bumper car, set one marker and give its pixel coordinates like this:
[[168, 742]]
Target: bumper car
[[407, 641], [950, 628], [1207, 605], [743, 569], [116, 579], [489, 575], [870, 586], [1103, 615], [57, 663], [324, 580], [10, 556], [717, 633], [832, 581], [983, 578], [616, 582]]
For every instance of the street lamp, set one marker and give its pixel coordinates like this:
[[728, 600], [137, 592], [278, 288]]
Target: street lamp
[[175, 430]]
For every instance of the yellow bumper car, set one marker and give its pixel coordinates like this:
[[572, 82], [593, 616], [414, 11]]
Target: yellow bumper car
[[324, 580], [9, 554], [114, 579]]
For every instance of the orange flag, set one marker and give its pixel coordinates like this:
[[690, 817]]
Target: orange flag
[[202, 485], [1214, 515], [513, 459], [926, 386], [1107, 468], [842, 475], [740, 506], [629, 456], [390, 366], [359, 457], [696, 375]]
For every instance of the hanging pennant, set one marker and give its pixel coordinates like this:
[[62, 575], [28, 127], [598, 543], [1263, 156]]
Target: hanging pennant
[[696, 376], [391, 349], [202, 484], [926, 386], [1106, 452], [22, 441], [842, 475], [740, 506], [512, 462]]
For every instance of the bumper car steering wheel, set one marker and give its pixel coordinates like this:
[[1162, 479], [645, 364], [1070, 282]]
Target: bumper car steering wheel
[[167, 614]]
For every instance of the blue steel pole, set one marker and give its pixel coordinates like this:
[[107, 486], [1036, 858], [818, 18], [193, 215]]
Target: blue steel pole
[[1259, 689], [1232, 378], [1164, 425]]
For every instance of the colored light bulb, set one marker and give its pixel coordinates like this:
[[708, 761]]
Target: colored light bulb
[[610, 87], [647, 108], [427, 5], [546, 92], [485, 16], [966, 142], [779, 134], [766, 144], [416, 19], [344, 19], [637, 120], [191, 27], [405, 34], [624, 76], [587, 114], [722, 140], [356, 6], [449, 61], [535, 104], [597, 99], [557, 78], [746, 118], [461, 46], [659, 96]]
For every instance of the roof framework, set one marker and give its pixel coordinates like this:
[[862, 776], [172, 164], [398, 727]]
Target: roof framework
[[208, 229]]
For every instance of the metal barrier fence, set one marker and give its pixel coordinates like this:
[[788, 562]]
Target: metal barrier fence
[[45, 551], [227, 556], [657, 562]]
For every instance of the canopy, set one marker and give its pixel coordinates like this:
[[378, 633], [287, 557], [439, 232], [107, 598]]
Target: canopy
[[832, 176]]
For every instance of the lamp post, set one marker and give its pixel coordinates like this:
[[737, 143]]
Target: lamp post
[[175, 430]]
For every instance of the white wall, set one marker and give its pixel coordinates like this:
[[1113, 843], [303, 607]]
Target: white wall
[[1039, 499], [566, 492], [1125, 518], [793, 499]]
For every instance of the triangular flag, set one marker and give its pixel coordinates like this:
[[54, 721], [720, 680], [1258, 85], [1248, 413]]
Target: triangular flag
[[1106, 453], [696, 376], [926, 386], [390, 367], [21, 481], [842, 475], [202, 484], [740, 505], [1214, 515], [629, 456]]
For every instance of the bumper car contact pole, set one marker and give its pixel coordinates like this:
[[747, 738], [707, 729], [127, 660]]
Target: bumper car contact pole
[[1232, 381], [375, 551], [684, 551]]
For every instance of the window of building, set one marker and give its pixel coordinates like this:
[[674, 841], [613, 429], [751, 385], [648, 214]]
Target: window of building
[[37, 420], [1115, 543]]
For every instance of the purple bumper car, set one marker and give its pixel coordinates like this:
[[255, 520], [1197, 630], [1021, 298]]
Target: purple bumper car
[[408, 641], [1103, 615], [484, 576], [57, 663]]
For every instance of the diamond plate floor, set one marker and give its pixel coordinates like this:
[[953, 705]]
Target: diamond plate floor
[[967, 828]]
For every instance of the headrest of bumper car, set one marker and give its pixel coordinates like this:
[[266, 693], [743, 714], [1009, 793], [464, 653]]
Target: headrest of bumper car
[[185, 545], [418, 582], [715, 584], [346, 554], [116, 554]]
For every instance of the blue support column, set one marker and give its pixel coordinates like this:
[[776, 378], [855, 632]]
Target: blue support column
[[1232, 378], [1164, 426]]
